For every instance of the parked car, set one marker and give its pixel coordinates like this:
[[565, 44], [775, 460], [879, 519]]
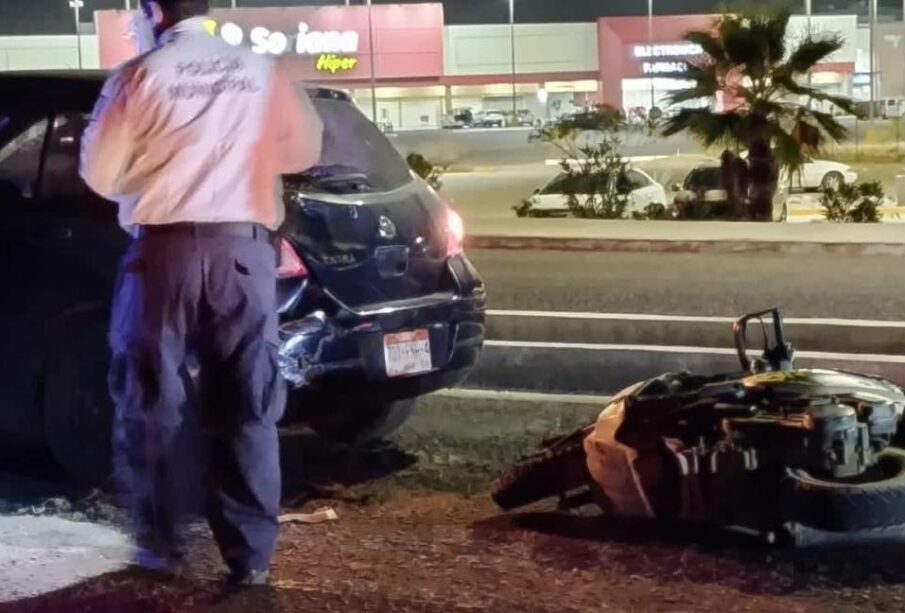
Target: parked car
[[817, 174], [378, 303], [458, 119], [641, 188], [704, 184], [524, 118], [490, 119]]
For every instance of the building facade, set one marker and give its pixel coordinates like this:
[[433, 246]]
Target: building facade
[[419, 68]]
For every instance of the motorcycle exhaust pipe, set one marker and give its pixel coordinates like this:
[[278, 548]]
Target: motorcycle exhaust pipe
[[802, 536]]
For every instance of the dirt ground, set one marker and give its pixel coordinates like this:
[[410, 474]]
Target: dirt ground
[[421, 534], [447, 552]]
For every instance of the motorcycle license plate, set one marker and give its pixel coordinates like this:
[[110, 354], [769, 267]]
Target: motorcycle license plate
[[407, 353]]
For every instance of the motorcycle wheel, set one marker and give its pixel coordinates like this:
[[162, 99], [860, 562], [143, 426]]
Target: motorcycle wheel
[[873, 500], [553, 471]]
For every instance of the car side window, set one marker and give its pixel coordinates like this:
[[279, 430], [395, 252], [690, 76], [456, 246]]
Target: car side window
[[20, 158], [636, 179], [556, 186], [60, 178]]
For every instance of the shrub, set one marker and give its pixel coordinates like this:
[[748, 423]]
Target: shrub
[[427, 170], [653, 211], [593, 184], [853, 203]]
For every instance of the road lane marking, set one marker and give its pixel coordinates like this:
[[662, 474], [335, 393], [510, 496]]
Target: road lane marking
[[808, 355], [797, 321], [519, 396]]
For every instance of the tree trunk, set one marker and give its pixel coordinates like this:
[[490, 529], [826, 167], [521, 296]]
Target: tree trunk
[[763, 177]]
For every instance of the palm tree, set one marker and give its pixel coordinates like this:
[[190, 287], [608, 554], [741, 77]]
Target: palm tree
[[746, 57]]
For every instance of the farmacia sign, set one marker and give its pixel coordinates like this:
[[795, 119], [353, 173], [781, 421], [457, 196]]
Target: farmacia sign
[[665, 58], [333, 49]]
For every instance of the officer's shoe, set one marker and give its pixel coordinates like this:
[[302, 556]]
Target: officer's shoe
[[251, 578], [150, 560]]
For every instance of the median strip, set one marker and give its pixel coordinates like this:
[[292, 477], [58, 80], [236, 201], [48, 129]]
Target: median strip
[[518, 396], [678, 349], [591, 316]]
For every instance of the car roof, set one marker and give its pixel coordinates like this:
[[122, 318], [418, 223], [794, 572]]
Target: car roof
[[46, 91]]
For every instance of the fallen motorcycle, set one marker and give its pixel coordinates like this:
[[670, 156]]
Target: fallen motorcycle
[[799, 455]]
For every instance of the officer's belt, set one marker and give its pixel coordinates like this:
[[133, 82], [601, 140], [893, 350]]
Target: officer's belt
[[207, 230]]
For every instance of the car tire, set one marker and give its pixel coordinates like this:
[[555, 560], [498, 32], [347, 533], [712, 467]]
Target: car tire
[[869, 503], [832, 180], [361, 425], [77, 409]]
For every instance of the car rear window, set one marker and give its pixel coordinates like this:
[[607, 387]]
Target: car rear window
[[352, 141], [704, 178]]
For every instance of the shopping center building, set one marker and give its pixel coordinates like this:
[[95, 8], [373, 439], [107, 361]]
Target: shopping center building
[[421, 68]]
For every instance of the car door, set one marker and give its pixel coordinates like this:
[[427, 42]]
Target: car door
[[811, 173], [22, 138], [642, 190], [61, 244]]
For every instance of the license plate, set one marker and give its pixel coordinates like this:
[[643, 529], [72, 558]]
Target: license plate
[[407, 353]]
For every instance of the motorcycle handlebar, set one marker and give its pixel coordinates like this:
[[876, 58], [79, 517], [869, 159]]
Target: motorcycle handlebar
[[779, 355]]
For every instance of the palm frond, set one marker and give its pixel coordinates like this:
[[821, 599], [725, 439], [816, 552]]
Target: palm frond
[[707, 126], [788, 151], [743, 47], [705, 79], [791, 86], [810, 52], [711, 44], [771, 30], [829, 124]]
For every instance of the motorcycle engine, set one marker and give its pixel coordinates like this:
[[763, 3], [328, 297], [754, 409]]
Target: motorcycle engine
[[837, 443], [835, 437], [844, 436]]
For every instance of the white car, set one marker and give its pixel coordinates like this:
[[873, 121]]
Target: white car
[[490, 119], [820, 174], [817, 174], [642, 191]]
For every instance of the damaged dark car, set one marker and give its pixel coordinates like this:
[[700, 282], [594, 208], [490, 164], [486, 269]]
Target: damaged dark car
[[379, 304]]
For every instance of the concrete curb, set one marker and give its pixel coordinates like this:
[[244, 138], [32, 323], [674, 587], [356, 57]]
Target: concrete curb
[[547, 243]]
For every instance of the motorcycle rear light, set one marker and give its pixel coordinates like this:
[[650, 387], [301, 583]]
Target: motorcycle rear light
[[291, 265], [455, 228]]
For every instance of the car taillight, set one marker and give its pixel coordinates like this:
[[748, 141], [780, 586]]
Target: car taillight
[[291, 265], [456, 233]]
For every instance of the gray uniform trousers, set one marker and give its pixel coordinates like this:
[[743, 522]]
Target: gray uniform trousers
[[207, 290]]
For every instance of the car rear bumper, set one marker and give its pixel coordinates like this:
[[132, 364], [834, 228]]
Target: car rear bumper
[[342, 359]]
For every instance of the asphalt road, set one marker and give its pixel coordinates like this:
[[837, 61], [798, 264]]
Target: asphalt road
[[869, 287]]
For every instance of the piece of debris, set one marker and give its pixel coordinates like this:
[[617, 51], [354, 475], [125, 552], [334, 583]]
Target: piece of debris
[[324, 514]]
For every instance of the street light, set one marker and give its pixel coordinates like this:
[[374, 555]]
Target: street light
[[512, 48], [76, 6], [373, 77], [650, 44], [873, 59], [807, 11]]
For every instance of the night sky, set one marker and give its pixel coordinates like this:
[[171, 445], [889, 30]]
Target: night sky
[[55, 16]]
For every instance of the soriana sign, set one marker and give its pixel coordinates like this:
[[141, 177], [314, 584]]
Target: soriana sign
[[315, 43], [335, 50]]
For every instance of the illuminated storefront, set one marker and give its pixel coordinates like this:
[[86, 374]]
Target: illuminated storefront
[[639, 62], [421, 68]]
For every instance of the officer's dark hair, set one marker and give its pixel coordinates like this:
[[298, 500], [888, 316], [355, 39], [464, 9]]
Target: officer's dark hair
[[177, 10]]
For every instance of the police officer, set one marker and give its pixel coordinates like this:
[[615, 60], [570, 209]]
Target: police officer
[[190, 139]]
